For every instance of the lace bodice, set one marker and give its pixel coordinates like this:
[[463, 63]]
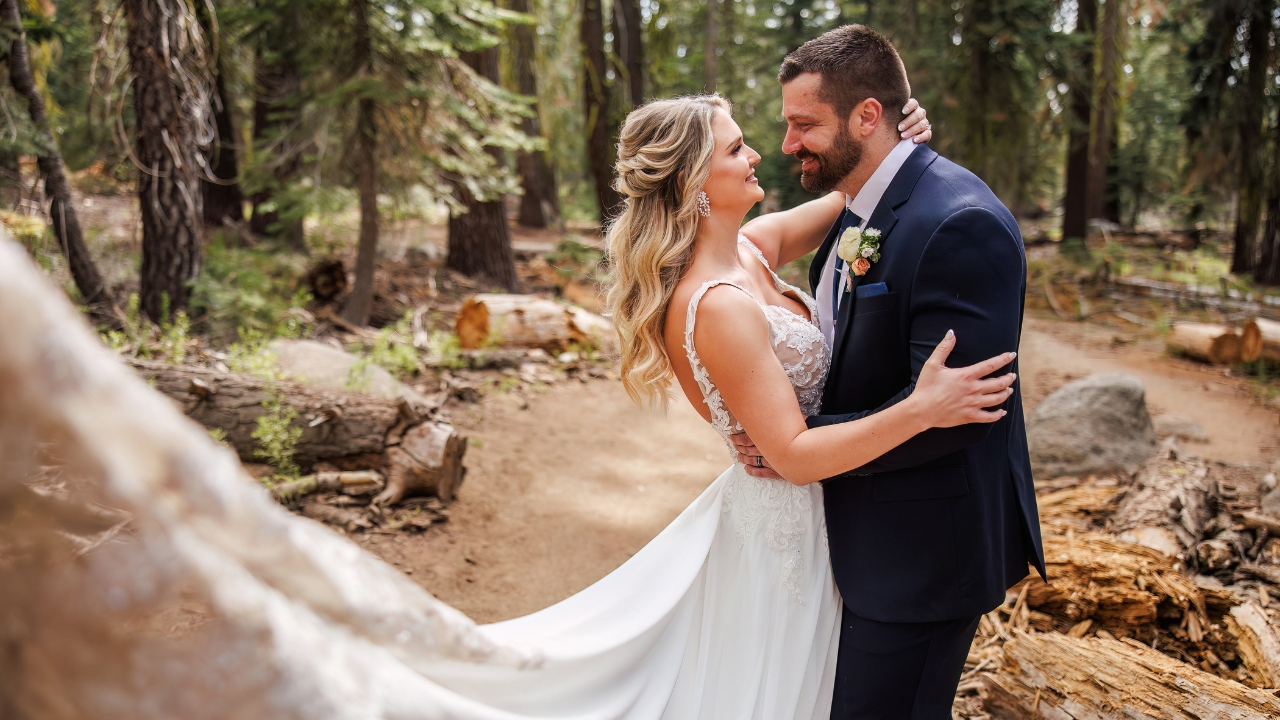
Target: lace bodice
[[797, 341]]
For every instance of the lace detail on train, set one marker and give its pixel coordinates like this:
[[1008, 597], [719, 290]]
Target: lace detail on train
[[802, 350]]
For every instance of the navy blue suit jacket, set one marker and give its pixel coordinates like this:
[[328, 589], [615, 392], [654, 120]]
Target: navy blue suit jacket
[[941, 526]]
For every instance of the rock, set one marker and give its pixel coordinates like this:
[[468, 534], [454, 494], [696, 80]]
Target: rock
[[1095, 425], [1179, 426], [1271, 503], [315, 363]]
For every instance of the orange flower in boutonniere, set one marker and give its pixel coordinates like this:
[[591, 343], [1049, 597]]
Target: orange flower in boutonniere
[[858, 248]]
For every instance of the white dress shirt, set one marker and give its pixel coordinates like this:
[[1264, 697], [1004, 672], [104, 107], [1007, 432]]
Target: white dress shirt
[[863, 206]]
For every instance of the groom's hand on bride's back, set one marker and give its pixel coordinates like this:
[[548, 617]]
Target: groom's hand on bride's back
[[749, 455]]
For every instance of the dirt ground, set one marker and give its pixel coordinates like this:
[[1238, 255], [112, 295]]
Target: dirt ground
[[564, 485]]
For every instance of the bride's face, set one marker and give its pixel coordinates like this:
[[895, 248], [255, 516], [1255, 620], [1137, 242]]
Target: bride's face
[[732, 184]]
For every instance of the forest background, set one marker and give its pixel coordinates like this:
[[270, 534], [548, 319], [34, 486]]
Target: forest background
[[244, 126]]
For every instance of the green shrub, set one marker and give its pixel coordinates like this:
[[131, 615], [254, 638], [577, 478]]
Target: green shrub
[[255, 290]]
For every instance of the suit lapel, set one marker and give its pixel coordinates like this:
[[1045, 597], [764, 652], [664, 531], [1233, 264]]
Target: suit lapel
[[883, 219]]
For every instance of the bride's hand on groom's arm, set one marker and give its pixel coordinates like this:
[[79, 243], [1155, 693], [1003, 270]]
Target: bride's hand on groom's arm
[[945, 397]]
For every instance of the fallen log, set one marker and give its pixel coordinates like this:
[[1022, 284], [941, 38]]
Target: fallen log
[[1123, 587], [342, 430], [1257, 643], [1053, 676], [353, 482], [334, 423], [491, 319], [1270, 332], [1251, 340], [1166, 506], [1216, 344]]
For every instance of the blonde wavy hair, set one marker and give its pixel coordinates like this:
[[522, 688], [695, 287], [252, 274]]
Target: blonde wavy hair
[[664, 158]]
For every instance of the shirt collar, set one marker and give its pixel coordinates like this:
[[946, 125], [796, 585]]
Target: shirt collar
[[864, 204]]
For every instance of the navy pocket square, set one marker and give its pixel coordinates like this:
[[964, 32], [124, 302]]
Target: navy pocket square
[[872, 290]]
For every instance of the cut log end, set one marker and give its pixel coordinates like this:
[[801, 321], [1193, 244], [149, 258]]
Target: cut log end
[[428, 461], [1216, 344]]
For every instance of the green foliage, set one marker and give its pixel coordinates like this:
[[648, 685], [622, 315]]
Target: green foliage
[[254, 290], [393, 350], [445, 350], [277, 436], [219, 436], [144, 339]]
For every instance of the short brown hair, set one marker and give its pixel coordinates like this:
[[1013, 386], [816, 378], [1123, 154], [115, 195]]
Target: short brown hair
[[856, 63]]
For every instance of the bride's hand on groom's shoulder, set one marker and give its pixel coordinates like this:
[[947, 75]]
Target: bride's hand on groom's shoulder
[[915, 125], [958, 396]]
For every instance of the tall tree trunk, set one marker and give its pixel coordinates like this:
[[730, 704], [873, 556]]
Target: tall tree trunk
[[360, 303], [628, 46], [710, 63], [66, 224], [1267, 271], [1111, 39], [595, 97], [479, 239], [162, 37], [276, 81], [540, 204], [222, 195], [1249, 202], [1075, 213]]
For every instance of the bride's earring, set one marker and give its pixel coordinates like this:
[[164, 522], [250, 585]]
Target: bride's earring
[[704, 204]]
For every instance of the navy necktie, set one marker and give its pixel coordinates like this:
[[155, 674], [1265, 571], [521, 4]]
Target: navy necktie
[[852, 221]]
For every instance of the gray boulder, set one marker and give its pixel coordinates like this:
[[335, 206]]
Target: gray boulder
[[320, 365], [1096, 425]]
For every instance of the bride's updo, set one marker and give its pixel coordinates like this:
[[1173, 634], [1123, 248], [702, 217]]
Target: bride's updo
[[664, 158]]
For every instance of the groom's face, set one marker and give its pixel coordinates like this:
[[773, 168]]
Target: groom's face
[[817, 136]]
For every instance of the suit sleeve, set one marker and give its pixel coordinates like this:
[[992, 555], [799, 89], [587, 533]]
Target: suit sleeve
[[970, 279]]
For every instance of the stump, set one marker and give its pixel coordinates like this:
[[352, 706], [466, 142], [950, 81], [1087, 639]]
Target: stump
[[1166, 506], [1054, 676], [1216, 344], [491, 319], [427, 461]]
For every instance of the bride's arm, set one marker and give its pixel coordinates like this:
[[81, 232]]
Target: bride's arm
[[733, 341], [790, 234]]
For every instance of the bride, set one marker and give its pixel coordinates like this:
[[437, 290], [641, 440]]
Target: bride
[[730, 612]]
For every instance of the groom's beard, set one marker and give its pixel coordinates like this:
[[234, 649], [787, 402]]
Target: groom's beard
[[834, 164]]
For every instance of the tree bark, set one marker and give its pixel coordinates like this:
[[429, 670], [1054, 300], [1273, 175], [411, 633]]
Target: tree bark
[[276, 81], [222, 196], [1267, 271], [1252, 116], [595, 98], [1111, 38], [1074, 204], [479, 239], [162, 37], [360, 303], [540, 203], [628, 43], [66, 224], [710, 63]]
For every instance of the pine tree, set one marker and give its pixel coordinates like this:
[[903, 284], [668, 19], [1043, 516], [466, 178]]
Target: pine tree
[[171, 91]]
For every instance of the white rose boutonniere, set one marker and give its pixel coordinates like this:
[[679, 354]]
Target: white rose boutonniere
[[858, 248]]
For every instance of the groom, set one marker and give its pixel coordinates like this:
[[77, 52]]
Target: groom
[[927, 538]]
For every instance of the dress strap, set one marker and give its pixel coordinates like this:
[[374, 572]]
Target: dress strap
[[721, 420], [779, 284]]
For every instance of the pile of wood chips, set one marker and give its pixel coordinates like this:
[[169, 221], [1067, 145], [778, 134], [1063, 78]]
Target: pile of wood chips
[[1159, 602]]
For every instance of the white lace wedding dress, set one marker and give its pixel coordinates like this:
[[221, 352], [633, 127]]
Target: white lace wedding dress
[[730, 613], [209, 600]]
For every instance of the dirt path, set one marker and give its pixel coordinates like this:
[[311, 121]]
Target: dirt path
[[556, 496], [560, 493], [1240, 428]]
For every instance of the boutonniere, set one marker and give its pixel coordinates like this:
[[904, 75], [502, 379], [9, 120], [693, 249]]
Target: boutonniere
[[858, 248]]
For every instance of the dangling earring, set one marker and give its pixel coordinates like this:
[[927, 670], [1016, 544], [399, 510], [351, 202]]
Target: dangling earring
[[704, 204]]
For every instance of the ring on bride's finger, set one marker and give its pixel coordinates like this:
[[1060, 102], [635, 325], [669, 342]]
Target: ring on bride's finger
[[759, 461]]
